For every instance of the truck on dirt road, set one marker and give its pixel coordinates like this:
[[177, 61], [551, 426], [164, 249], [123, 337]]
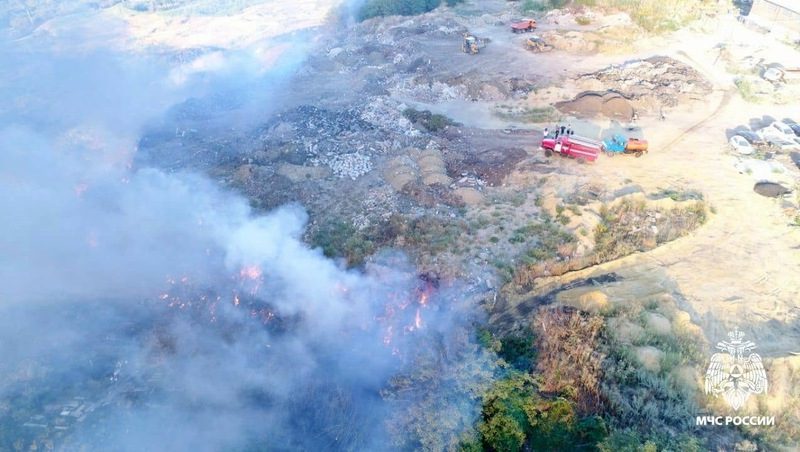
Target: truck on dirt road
[[620, 144], [523, 26], [578, 147]]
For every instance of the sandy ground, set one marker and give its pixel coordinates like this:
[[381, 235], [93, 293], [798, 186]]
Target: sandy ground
[[740, 269]]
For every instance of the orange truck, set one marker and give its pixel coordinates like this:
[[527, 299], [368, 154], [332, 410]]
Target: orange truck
[[620, 144], [523, 26]]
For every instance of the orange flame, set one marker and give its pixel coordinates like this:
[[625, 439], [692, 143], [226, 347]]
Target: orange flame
[[423, 298], [250, 272]]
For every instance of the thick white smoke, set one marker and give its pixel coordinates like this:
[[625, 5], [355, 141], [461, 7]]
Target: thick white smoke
[[183, 318]]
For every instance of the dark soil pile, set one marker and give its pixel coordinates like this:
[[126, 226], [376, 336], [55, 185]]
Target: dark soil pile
[[770, 189]]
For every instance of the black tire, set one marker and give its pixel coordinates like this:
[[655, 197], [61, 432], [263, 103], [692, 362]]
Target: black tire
[[548, 153], [639, 154], [610, 153], [581, 160]]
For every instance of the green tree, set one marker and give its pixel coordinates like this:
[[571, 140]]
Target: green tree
[[504, 422], [375, 8]]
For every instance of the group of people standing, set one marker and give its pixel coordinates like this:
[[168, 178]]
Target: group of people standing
[[560, 130]]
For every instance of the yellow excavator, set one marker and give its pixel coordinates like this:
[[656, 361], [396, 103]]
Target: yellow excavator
[[472, 44]]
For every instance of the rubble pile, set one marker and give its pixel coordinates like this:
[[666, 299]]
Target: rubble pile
[[398, 30], [387, 115], [348, 165], [421, 90], [559, 17], [312, 122], [341, 140], [470, 86], [571, 41], [662, 79]]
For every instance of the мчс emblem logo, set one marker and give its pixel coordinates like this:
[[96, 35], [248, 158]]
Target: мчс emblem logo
[[734, 375]]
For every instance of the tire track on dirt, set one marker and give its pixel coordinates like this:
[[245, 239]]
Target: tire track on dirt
[[726, 98]]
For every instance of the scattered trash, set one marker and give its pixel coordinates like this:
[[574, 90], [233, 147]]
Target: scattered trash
[[773, 75], [741, 145]]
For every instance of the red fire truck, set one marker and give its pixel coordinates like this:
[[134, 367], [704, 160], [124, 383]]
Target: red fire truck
[[581, 148]]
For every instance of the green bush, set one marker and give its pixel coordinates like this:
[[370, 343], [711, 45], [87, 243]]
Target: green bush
[[426, 120], [628, 440], [504, 419], [747, 90], [518, 351], [516, 417], [542, 5], [339, 238], [375, 8]]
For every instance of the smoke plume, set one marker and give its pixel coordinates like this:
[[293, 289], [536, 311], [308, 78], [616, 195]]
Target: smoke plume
[[146, 310]]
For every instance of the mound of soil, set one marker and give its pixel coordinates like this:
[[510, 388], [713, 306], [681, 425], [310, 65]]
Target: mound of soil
[[770, 189], [595, 103], [650, 84]]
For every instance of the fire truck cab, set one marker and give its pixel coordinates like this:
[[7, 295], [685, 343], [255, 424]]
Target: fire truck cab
[[580, 148]]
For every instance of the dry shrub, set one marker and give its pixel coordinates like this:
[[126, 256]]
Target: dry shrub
[[526, 275], [656, 15], [624, 228], [783, 401], [567, 355], [593, 301], [632, 226]]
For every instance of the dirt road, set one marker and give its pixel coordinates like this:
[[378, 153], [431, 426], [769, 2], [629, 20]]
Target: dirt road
[[742, 269]]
